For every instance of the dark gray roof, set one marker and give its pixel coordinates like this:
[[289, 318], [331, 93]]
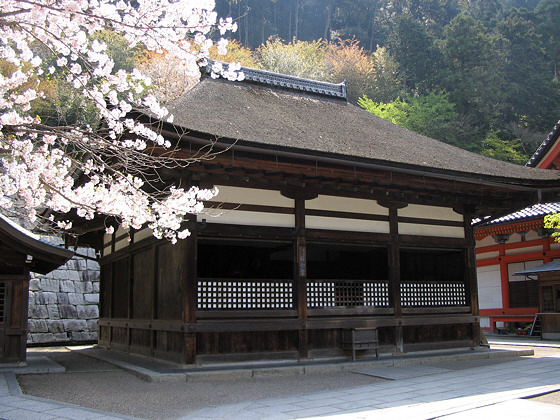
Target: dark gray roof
[[260, 114], [538, 210], [545, 146], [545, 268], [46, 257], [336, 90]]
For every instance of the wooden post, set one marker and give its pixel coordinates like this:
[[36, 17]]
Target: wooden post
[[471, 277], [300, 277], [395, 276], [190, 291]]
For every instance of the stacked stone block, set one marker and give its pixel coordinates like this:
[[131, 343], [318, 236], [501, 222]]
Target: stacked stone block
[[64, 304]]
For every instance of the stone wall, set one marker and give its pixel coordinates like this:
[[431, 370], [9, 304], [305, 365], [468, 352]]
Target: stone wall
[[64, 304]]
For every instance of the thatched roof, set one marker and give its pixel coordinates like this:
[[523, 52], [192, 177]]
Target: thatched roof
[[266, 115]]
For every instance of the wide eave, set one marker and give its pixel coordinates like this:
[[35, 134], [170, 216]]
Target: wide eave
[[45, 257], [291, 121], [281, 124]]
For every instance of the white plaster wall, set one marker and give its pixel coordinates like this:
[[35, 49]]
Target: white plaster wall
[[487, 255], [351, 205], [484, 322], [524, 250], [348, 205], [489, 287], [248, 218], [352, 225], [532, 235], [430, 212], [486, 241], [252, 196], [431, 230], [241, 195], [142, 234]]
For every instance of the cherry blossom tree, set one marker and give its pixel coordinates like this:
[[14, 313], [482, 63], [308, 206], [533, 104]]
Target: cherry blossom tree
[[111, 170]]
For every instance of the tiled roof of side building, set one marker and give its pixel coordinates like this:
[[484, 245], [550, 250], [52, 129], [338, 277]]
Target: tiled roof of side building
[[545, 146], [538, 210]]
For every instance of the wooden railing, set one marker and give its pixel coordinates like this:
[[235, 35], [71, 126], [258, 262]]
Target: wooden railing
[[267, 294], [245, 294], [347, 293], [433, 294]]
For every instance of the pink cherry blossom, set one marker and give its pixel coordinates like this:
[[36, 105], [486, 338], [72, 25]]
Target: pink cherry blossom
[[61, 169]]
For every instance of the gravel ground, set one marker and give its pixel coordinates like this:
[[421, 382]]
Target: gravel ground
[[95, 384]]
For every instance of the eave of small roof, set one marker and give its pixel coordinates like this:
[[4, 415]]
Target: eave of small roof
[[545, 146], [46, 257], [532, 212], [270, 116], [545, 268]]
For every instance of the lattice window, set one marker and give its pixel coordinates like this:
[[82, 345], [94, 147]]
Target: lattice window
[[320, 295], [2, 300], [433, 294], [328, 294], [548, 299], [244, 295], [376, 294]]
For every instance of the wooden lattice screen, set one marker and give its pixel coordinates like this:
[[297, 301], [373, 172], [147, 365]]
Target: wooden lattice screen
[[245, 295], [548, 299], [325, 294], [433, 294]]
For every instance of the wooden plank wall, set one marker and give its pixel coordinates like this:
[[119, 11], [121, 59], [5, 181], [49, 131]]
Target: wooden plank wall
[[149, 287]]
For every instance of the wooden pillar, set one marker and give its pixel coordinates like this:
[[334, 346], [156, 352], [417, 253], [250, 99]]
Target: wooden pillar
[[190, 292], [300, 276], [395, 277], [471, 277]]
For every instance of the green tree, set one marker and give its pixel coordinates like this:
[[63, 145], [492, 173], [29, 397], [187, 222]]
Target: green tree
[[532, 97], [60, 104], [552, 221], [297, 58], [547, 13], [474, 64], [483, 10], [346, 60], [506, 150], [432, 115], [387, 83], [414, 49], [327, 61]]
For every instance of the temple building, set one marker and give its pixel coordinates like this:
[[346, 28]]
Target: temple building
[[513, 243], [335, 232]]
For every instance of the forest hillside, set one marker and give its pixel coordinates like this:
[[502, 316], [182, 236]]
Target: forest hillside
[[480, 74]]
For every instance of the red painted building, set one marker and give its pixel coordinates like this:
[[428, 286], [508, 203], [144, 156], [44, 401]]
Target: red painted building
[[514, 243]]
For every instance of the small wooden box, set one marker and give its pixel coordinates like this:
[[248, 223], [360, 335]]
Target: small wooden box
[[360, 339]]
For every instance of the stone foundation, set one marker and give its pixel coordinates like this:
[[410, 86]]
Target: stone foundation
[[64, 304]]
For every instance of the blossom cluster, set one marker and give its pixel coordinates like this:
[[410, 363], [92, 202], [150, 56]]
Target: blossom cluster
[[75, 168]]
